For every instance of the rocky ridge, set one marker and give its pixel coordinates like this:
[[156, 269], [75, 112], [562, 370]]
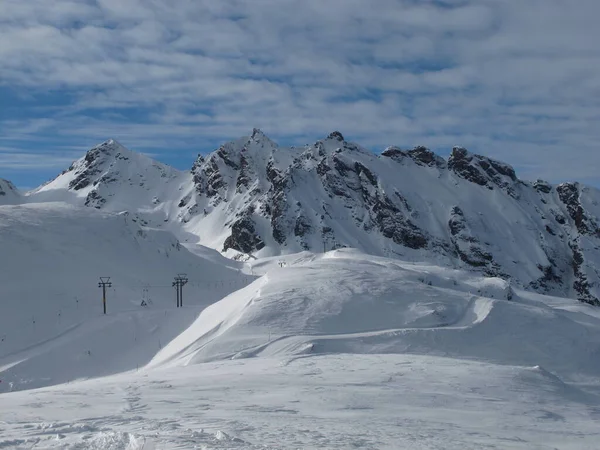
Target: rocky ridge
[[252, 197]]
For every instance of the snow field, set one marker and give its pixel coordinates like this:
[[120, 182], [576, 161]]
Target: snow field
[[52, 329], [336, 401], [347, 302], [332, 351]]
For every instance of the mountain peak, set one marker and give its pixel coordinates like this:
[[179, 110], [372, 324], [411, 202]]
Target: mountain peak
[[104, 169], [459, 152], [260, 138], [257, 134], [336, 135], [482, 170], [8, 192], [109, 146], [104, 152], [6, 183], [251, 196]]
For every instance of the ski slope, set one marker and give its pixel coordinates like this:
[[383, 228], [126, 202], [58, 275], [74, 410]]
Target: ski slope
[[349, 302], [52, 328], [334, 350], [341, 302]]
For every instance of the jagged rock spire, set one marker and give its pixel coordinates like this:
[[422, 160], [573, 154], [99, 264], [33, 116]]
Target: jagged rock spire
[[336, 135]]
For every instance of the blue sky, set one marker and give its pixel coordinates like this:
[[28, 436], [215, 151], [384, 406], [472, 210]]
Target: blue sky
[[512, 79]]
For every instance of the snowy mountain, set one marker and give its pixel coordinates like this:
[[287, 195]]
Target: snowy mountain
[[425, 335], [113, 178], [9, 194], [251, 196]]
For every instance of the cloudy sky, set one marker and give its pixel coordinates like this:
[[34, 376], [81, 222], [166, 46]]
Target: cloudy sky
[[517, 80]]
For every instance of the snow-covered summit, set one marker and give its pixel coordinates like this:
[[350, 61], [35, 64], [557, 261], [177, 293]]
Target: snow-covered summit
[[112, 177]]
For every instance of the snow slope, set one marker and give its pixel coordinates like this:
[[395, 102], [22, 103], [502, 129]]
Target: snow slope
[[253, 197], [348, 302], [9, 195], [329, 402], [337, 350], [51, 325], [422, 337]]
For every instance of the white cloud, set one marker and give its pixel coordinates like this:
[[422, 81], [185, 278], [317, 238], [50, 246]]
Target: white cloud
[[514, 79], [15, 160]]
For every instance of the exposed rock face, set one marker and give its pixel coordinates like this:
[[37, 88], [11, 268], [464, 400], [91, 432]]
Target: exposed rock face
[[467, 246], [482, 170], [94, 199], [243, 237], [543, 187], [420, 155], [395, 153], [93, 164], [336, 135], [424, 156], [254, 197], [569, 195], [329, 194]]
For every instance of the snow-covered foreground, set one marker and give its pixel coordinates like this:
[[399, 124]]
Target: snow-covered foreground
[[313, 402], [331, 351]]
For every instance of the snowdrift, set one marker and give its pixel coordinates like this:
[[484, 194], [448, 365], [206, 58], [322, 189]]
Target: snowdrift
[[347, 302]]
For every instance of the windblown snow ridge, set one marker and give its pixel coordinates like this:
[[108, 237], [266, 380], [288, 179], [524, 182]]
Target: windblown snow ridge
[[347, 302]]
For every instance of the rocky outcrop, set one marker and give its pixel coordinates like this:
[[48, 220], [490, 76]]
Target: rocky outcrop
[[581, 283], [94, 164], [467, 246], [420, 155], [482, 170], [543, 187], [243, 236], [569, 195], [95, 200], [423, 156], [336, 135], [395, 227]]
